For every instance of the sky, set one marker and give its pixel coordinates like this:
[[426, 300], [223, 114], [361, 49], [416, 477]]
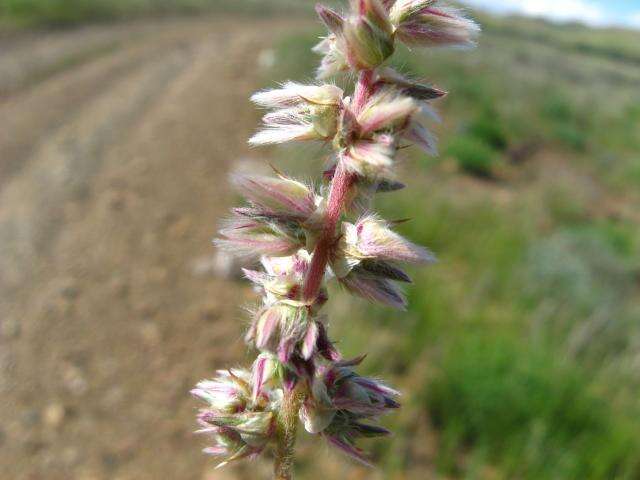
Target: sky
[[592, 12]]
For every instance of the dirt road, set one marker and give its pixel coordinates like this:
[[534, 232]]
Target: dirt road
[[115, 142]]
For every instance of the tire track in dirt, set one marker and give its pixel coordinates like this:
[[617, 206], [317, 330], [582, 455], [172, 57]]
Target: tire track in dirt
[[31, 58], [60, 167], [109, 326], [30, 115]]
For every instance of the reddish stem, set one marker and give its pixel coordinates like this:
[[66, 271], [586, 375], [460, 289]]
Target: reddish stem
[[362, 91], [341, 183], [340, 186]]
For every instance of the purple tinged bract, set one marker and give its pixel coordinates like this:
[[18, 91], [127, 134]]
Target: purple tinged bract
[[239, 421], [343, 406]]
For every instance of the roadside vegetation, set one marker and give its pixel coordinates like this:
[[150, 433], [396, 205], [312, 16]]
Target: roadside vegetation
[[528, 328], [64, 13]]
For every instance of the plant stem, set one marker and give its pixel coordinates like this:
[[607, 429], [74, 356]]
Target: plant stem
[[287, 425], [341, 183], [362, 91]]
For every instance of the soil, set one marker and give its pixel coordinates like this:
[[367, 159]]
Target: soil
[[116, 141]]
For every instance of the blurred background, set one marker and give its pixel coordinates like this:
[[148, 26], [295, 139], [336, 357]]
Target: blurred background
[[519, 357]]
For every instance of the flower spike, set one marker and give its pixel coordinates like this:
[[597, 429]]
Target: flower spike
[[306, 236], [365, 38]]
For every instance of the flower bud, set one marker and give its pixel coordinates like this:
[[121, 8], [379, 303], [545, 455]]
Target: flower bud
[[285, 330], [276, 324], [283, 216], [374, 12], [430, 23], [279, 196], [332, 48], [227, 393], [240, 426], [386, 110], [330, 18], [246, 237], [254, 427], [370, 279], [374, 289], [371, 237], [340, 402], [295, 265], [293, 94], [282, 279], [302, 112], [368, 38], [276, 287], [369, 138], [363, 40], [265, 369], [372, 159], [238, 436], [316, 416]]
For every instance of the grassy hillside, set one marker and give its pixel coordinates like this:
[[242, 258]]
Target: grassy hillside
[[519, 352], [29, 13]]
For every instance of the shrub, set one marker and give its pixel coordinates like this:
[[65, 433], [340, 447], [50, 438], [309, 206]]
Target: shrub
[[557, 107], [571, 136], [565, 122], [473, 155], [488, 128]]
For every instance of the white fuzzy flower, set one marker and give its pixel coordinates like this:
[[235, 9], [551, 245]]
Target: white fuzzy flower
[[301, 112]]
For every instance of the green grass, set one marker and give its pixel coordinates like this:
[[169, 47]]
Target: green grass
[[30, 13], [532, 414]]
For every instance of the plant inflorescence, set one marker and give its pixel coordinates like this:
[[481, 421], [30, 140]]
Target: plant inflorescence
[[307, 235]]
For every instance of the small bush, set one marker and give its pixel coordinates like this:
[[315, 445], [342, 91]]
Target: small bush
[[572, 136], [490, 131], [557, 107], [488, 128], [473, 155], [565, 122]]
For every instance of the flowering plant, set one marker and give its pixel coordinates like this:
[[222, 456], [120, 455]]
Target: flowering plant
[[305, 236]]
